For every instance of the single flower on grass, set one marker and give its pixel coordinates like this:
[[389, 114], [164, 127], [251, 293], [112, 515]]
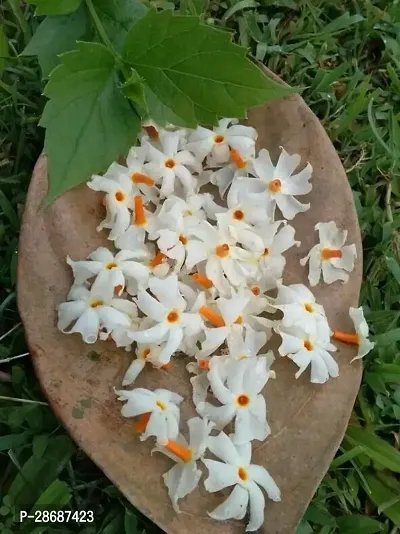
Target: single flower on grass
[[170, 163], [158, 410], [167, 309], [241, 400], [360, 338], [309, 349], [218, 142], [236, 470], [90, 311], [184, 477], [330, 257]]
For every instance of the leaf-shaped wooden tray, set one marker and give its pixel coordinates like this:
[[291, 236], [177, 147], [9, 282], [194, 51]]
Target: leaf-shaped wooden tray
[[307, 421]]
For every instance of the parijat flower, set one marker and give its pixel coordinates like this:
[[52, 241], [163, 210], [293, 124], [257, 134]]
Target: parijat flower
[[330, 257], [236, 470], [221, 140], [241, 400], [145, 353], [167, 309], [158, 410], [360, 337], [309, 349], [170, 163], [279, 185], [184, 477]]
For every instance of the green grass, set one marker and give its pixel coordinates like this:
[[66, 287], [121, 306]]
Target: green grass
[[346, 56]]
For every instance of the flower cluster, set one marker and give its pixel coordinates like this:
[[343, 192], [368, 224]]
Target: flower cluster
[[196, 275]]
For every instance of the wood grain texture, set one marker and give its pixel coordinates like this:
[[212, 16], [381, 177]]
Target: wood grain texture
[[308, 421]]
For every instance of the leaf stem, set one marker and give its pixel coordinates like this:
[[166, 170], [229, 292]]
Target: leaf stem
[[100, 29]]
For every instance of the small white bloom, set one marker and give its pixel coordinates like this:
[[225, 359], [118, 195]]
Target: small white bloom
[[305, 349], [241, 400], [330, 256], [227, 175], [360, 338], [161, 404], [119, 333], [90, 311], [168, 312], [117, 271], [236, 470], [278, 183], [299, 307], [184, 477], [200, 382], [170, 163], [145, 353], [218, 142]]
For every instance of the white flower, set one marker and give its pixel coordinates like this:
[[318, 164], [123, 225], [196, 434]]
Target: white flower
[[227, 175], [276, 240], [299, 307], [305, 349], [159, 410], [226, 264], [113, 271], [184, 477], [119, 333], [200, 382], [145, 353], [330, 256], [90, 311], [278, 183], [190, 207], [360, 338], [170, 163], [236, 470], [241, 400], [218, 142], [168, 311]]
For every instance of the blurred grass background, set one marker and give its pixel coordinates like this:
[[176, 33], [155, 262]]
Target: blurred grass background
[[346, 56]]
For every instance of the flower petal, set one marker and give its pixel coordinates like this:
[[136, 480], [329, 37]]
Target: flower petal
[[257, 505], [224, 449], [220, 475], [234, 507], [150, 306], [261, 476]]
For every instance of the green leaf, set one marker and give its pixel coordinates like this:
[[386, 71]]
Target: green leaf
[[37, 474], [57, 494], [118, 16], [62, 32], [55, 7], [14, 440], [393, 267], [239, 6], [382, 495], [39, 445], [4, 53], [89, 122], [133, 88], [375, 447], [342, 23], [130, 522], [196, 70], [358, 524], [386, 339]]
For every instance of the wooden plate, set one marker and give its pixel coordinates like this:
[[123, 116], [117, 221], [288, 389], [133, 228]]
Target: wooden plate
[[308, 421]]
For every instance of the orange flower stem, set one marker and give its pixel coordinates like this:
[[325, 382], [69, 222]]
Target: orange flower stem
[[139, 178], [140, 216], [141, 423], [203, 364], [202, 280], [215, 318], [166, 366], [237, 158], [352, 339], [329, 253], [151, 132], [157, 260], [181, 452]]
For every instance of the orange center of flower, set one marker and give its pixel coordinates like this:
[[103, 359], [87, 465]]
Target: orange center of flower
[[352, 339], [145, 353], [161, 405], [255, 290], [265, 252], [202, 280], [238, 215], [243, 474], [309, 308], [275, 186], [157, 260], [308, 345], [222, 251], [183, 239], [219, 139], [243, 400], [237, 159], [173, 316], [170, 163], [151, 132], [203, 364], [119, 196], [139, 178], [329, 253], [96, 303], [239, 320], [140, 215], [111, 265], [118, 289]]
